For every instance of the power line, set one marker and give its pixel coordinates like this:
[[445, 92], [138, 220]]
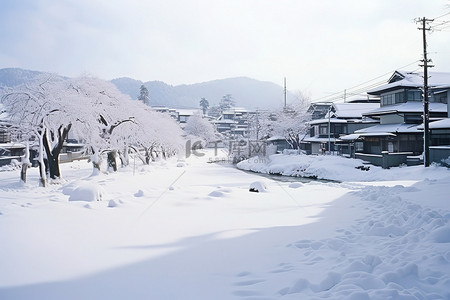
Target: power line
[[352, 92], [440, 25], [446, 14]]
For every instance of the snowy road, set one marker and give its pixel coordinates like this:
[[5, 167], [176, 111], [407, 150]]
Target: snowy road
[[195, 232]]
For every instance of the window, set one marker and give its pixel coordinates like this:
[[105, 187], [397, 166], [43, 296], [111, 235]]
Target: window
[[359, 146], [440, 97], [411, 143], [340, 129], [400, 97], [323, 130], [390, 147], [414, 95], [413, 118], [393, 98], [5, 136], [388, 99]]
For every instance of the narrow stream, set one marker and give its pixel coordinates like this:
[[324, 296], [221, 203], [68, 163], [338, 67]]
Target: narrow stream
[[283, 178], [280, 178]]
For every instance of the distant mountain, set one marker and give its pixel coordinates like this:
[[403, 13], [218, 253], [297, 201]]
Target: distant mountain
[[246, 92], [10, 77]]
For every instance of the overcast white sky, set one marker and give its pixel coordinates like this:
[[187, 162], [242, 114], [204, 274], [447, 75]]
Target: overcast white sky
[[321, 46]]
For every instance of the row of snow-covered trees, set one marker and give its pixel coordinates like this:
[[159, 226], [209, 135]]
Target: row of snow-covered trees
[[94, 112]]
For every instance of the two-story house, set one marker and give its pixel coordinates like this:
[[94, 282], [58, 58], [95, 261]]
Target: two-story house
[[400, 115], [340, 120], [234, 122]]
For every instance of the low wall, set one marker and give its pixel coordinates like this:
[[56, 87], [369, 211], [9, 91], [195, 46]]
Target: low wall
[[439, 153], [71, 156], [385, 159], [6, 160], [374, 159]]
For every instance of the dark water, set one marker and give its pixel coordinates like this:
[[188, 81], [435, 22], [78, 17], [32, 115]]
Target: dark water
[[283, 178], [277, 177]]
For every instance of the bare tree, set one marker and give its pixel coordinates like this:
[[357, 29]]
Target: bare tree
[[289, 122]]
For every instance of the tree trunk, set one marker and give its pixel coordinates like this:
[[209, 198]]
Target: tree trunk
[[53, 154], [96, 166], [43, 176], [25, 163], [53, 166], [41, 159], [112, 160], [125, 157], [23, 173], [96, 159], [148, 156]]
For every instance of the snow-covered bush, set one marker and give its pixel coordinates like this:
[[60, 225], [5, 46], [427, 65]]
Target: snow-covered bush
[[446, 162], [198, 127]]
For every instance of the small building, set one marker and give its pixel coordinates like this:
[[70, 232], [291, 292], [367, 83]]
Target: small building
[[341, 119], [440, 141], [9, 149], [279, 142], [184, 114], [318, 110], [234, 122], [398, 137]]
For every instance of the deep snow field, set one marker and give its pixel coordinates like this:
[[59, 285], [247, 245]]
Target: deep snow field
[[192, 230]]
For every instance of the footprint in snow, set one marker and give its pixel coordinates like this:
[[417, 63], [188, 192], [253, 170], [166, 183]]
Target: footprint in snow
[[242, 274], [249, 282], [246, 293], [283, 267]]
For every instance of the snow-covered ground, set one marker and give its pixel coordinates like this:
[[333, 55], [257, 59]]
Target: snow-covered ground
[[192, 230]]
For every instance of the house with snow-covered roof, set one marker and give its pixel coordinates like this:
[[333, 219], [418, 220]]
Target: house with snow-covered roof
[[398, 134], [439, 141], [9, 149], [318, 110], [341, 119], [184, 114], [234, 122]]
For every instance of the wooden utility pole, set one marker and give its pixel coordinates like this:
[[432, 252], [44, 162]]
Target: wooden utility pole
[[285, 93], [426, 111]]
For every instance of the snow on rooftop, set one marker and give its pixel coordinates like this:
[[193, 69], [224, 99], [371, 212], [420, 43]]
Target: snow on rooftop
[[316, 139], [349, 137], [188, 112], [353, 110], [390, 128], [445, 123], [276, 138], [234, 110], [410, 106], [412, 79], [331, 120]]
